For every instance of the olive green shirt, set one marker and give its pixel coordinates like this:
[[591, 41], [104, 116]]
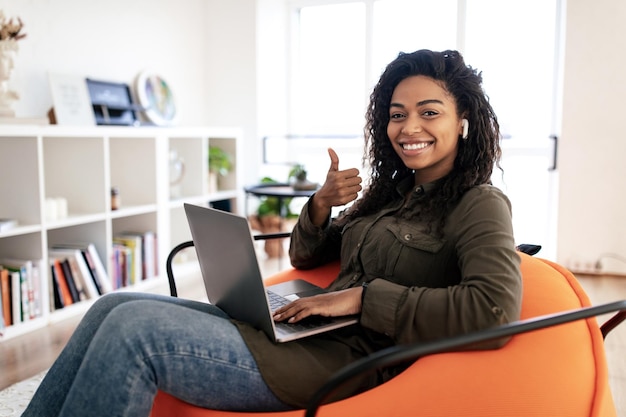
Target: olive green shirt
[[421, 287]]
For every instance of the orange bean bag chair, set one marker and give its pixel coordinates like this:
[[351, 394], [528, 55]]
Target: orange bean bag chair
[[557, 371]]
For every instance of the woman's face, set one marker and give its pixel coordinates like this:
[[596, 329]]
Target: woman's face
[[424, 127]]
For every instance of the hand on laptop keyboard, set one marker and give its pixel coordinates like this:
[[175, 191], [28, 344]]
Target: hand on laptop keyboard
[[332, 304]]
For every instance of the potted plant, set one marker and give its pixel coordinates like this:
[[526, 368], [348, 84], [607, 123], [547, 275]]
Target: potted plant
[[220, 164], [268, 219], [298, 179]]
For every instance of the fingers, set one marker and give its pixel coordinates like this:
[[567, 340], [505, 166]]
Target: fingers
[[334, 160], [290, 313], [298, 310], [340, 188], [335, 303]]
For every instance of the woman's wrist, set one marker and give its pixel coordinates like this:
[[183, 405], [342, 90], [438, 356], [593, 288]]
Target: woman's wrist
[[318, 213]]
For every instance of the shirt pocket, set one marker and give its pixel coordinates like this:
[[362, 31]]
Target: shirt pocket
[[411, 254]]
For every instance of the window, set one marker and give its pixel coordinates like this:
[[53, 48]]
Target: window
[[513, 43], [409, 25], [341, 49], [327, 94]]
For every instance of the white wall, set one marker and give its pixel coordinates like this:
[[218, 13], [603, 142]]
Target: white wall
[[230, 73], [112, 40], [205, 49], [592, 166]]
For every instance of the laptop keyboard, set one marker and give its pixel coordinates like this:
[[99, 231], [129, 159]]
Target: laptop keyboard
[[276, 301]]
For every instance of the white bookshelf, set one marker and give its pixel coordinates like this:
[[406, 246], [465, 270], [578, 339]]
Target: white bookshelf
[[80, 165]]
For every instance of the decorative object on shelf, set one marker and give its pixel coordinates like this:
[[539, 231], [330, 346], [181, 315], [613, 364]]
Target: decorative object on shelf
[[220, 164], [9, 35], [298, 179], [7, 224], [56, 208], [112, 103], [156, 98], [116, 200], [71, 101], [177, 173]]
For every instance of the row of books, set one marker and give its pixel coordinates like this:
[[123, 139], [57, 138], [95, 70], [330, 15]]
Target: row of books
[[76, 274], [134, 258], [20, 291], [79, 274]]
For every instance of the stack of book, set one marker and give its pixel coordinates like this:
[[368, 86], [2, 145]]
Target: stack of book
[[20, 291], [77, 274], [134, 258]]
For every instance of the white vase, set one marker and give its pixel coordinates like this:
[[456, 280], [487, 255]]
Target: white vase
[[8, 51], [212, 181]]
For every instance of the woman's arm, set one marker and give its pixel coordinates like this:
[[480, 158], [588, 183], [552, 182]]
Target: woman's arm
[[315, 240], [313, 245]]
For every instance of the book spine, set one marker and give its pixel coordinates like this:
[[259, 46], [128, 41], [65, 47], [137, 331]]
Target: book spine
[[16, 294], [103, 277], [64, 290], [78, 279], [56, 300], [92, 270], [5, 287], [25, 289], [148, 246], [69, 278], [37, 305], [2, 323]]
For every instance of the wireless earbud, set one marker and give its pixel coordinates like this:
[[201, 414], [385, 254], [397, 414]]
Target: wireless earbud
[[465, 124]]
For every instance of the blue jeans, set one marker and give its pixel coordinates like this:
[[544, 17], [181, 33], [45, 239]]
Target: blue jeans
[[128, 345]]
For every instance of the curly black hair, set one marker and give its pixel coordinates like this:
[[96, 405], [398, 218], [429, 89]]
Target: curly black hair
[[476, 156]]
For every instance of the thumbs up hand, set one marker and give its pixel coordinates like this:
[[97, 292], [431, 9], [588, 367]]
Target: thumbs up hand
[[341, 187]]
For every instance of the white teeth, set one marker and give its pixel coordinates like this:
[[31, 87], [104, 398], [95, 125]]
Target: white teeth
[[414, 146]]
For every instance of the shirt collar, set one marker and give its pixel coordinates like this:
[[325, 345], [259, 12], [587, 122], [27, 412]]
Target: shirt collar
[[408, 183]]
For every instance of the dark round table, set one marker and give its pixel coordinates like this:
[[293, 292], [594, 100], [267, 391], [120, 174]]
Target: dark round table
[[278, 190]]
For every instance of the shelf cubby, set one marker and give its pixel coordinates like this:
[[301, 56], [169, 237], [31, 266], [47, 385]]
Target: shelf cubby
[[79, 166]]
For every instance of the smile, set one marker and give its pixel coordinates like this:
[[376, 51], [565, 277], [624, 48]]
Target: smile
[[415, 146]]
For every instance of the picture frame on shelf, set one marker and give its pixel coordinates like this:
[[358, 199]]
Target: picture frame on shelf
[[70, 100]]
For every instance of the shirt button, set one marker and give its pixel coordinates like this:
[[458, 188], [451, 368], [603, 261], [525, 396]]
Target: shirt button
[[407, 236], [354, 277], [419, 190]]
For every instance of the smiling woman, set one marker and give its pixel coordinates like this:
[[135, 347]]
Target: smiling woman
[[424, 127]]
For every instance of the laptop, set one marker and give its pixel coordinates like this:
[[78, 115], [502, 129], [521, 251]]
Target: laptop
[[233, 281]]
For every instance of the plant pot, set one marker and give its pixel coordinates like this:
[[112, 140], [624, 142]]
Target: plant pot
[[212, 181], [274, 248]]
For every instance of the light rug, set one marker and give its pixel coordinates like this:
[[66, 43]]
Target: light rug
[[14, 399]]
